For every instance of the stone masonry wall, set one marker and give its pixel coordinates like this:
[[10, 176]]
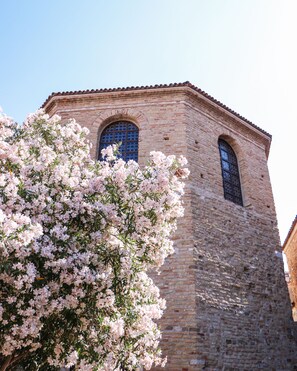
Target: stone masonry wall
[[290, 249], [243, 311], [227, 302]]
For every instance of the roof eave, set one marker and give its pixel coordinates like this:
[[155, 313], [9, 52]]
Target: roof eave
[[290, 233], [184, 85]]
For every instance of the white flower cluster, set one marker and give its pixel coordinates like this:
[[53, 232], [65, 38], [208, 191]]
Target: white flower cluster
[[77, 238]]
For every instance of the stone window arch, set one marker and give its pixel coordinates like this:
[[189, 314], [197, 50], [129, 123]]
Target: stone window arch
[[230, 173], [124, 132]]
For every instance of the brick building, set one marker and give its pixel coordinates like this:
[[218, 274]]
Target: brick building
[[290, 249], [227, 302]]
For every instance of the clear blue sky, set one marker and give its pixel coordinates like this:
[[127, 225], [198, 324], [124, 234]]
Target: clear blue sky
[[241, 52]]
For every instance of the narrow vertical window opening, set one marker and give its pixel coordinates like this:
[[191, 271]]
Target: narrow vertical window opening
[[230, 173]]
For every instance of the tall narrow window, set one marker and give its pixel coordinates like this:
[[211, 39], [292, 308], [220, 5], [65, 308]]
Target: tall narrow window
[[230, 173], [124, 132]]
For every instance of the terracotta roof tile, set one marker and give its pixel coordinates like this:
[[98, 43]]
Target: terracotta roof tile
[[159, 86]]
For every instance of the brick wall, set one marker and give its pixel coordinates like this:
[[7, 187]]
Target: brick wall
[[290, 249], [227, 302]]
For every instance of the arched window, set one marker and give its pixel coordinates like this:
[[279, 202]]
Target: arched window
[[230, 173], [124, 132]]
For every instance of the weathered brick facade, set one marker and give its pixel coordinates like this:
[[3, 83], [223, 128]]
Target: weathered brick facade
[[290, 249], [227, 301]]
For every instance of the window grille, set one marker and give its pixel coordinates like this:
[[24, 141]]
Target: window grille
[[124, 132], [230, 173]]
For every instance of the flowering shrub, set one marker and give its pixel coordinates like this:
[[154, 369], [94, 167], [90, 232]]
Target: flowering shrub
[[77, 238]]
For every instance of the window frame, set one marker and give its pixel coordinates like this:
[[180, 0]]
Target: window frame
[[230, 173], [122, 131]]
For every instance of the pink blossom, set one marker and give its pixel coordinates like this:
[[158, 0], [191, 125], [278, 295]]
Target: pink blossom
[[78, 237]]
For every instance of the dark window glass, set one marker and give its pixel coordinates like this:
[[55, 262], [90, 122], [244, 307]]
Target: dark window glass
[[230, 173], [123, 132]]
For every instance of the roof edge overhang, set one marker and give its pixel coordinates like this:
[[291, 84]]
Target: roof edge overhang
[[183, 85], [290, 233]]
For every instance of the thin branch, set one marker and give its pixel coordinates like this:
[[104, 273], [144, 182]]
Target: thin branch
[[6, 363]]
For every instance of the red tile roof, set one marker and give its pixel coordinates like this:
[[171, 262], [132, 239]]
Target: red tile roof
[[160, 86]]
